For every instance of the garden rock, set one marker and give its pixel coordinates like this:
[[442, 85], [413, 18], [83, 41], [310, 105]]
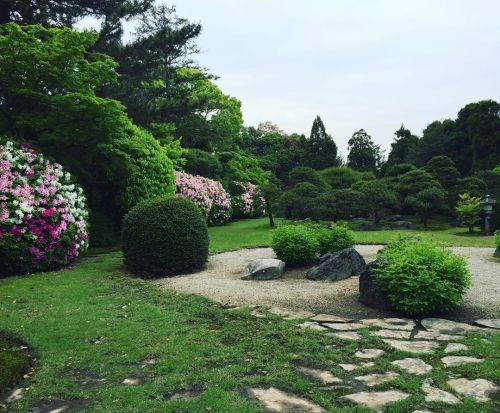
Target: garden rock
[[413, 365], [490, 323], [369, 353], [455, 347], [452, 361], [370, 293], [418, 347], [348, 335], [375, 379], [263, 269], [447, 326], [278, 401], [323, 376], [433, 394], [390, 323], [403, 225], [338, 266], [377, 400], [478, 389]]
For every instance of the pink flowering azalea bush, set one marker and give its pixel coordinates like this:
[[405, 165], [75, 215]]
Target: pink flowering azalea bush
[[43, 217], [249, 203], [209, 195]]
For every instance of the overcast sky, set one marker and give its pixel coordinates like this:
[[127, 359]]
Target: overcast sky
[[371, 64]]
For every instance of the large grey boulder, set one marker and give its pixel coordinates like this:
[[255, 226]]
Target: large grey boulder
[[336, 266], [263, 269], [403, 225], [370, 293]]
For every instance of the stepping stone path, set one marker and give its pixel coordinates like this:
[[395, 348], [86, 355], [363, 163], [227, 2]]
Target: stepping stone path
[[478, 389], [375, 379], [290, 315], [452, 361], [433, 394], [455, 347], [278, 401], [417, 347], [376, 400], [413, 365], [348, 335], [324, 377], [369, 353], [400, 334]]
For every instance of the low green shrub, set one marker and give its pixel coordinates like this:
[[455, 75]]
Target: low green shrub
[[497, 238], [334, 239], [164, 236], [421, 278], [295, 244]]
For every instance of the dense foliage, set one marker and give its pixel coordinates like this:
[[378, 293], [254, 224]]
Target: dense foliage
[[43, 216], [164, 236], [421, 278], [208, 195], [333, 239], [295, 244], [248, 201]]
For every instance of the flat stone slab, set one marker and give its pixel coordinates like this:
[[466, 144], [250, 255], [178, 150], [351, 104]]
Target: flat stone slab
[[433, 394], [436, 335], [375, 379], [347, 335], [489, 323], [352, 367], [390, 323], [328, 318], [479, 389], [344, 326], [131, 381], [275, 400], [312, 326], [369, 353], [377, 400], [455, 347], [16, 394], [417, 347], [392, 334], [413, 365], [323, 376], [447, 326], [452, 361], [263, 269], [290, 315]]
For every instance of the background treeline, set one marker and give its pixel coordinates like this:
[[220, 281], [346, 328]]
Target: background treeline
[[123, 115]]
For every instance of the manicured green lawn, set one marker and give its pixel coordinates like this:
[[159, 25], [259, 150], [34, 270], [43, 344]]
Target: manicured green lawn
[[257, 233], [93, 326]]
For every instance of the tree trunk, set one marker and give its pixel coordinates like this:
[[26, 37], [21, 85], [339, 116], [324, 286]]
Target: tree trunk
[[270, 215], [471, 229]]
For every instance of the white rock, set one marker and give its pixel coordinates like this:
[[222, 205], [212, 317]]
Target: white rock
[[347, 335], [417, 347], [131, 381], [433, 394], [312, 326], [478, 389], [352, 367], [324, 377], [391, 334], [375, 379], [369, 353], [16, 394], [451, 361], [328, 318], [344, 326], [413, 365], [278, 401], [454, 347], [376, 400], [489, 322], [390, 323]]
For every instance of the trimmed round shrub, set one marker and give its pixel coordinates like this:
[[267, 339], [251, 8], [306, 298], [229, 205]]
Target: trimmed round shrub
[[295, 244], [43, 215], [164, 236], [334, 239], [421, 278]]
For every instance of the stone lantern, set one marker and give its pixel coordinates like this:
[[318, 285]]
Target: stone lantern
[[487, 202]]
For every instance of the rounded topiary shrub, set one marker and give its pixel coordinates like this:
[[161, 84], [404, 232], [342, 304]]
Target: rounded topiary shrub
[[421, 278], [164, 236], [334, 239], [295, 244], [43, 214]]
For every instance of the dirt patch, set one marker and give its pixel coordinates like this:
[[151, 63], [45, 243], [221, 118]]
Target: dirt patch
[[221, 281]]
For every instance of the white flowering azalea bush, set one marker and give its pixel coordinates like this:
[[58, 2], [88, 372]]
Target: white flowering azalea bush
[[210, 196], [43, 214], [249, 203]]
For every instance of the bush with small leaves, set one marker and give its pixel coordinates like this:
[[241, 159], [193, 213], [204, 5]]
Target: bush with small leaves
[[334, 239], [421, 278], [164, 236], [295, 244]]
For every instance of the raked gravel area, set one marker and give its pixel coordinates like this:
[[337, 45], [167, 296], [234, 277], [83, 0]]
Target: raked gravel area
[[221, 281]]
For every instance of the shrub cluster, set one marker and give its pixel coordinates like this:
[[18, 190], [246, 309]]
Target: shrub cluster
[[43, 216], [164, 236], [421, 278], [300, 243], [248, 204], [208, 195]]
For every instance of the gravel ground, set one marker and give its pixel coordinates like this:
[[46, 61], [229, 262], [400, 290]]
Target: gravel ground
[[220, 281]]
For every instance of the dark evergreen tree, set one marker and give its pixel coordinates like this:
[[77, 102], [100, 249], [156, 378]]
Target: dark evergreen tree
[[322, 150], [403, 147]]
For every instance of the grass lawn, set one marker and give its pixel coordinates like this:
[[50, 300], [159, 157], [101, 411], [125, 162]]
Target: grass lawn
[[93, 326], [257, 233]]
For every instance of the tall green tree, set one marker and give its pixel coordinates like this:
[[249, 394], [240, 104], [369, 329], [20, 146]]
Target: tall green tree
[[364, 155], [403, 147], [321, 149], [443, 169], [469, 209]]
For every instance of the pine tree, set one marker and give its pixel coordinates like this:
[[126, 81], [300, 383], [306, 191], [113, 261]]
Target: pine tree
[[322, 150]]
